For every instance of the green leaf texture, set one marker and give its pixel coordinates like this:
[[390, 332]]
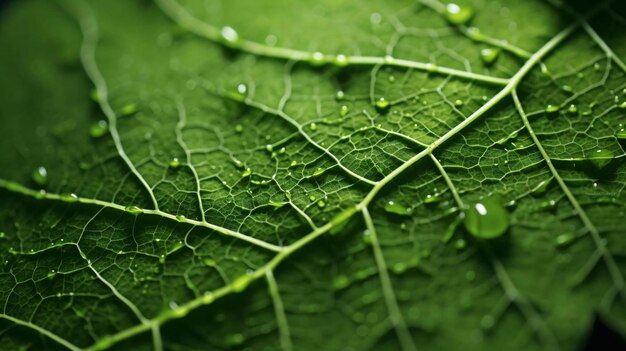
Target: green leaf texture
[[311, 175]]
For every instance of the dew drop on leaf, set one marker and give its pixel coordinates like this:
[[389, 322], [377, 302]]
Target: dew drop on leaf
[[487, 322], [175, 163], [460, 244], [313, 126], [341, 60], [68, 197], [565, 239], [621, 134], [457, 14], [321, 204], [40, 176], [99, 129], [601, 158], [489, 55], [382, 104], [572, 109], [344, 110], [567, 88], [486, 219], [318, 58], [341, 282], [129, 109], [552, 108], [229, 36], [395, 208], [458, 103], [133, 210], [340, 95], [622, 105]]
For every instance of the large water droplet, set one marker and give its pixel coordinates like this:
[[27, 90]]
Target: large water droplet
[[40, 176], [457, 14], [486, 219], [601, 158], [175, 163], [621, 134]]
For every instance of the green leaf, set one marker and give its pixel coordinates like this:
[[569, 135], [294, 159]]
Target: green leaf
[[263, 175]]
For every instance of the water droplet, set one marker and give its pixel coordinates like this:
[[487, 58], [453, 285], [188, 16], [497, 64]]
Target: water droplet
[[460, 244], [174, 163], [99, 129], [344, 110], [341, 282], [341, 60], [621, 134], [318, 58], [340, 95], [238, 128], [321, 204], [239, 284], [318, 172], [567, 88], [382, 104], [429, 199], [486, 219], [312, 198], [565, 239], [458, 103], [393, 207], [313, 126], [277, 204], [487, 322], [181, 218], [40, 176], [622, 105], [457, 14], [234, 339], [601, 158], [133, 210], [572, 109], [489, 55], [129, 109], [230, 36], [552, 109], [68, 197]]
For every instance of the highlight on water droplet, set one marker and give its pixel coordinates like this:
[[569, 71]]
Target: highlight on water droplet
[[457, 14], [572, 109], [621, 134], [487, 218], [489, 55], [99, 129], [133, 210], [313, 126], [40, 176], [341, 60], [340, 95], [318, 58]]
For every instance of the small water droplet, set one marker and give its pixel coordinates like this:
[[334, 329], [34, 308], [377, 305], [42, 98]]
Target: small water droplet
[[344, 110], [174, 163], [133, 210], [565, 239], [341, 282], [246, 173], [622, 105], [395, 208], [318, 59], [40, 176], [318, 172], [487, 322], [129, 109], [340, 95], [486, 219], [457, 14], [68, 197], [489, 55], [552, 109], [621, 134], [321, 204], [567, 88], [99, 129], [341, 60], [460, 244], [238, 128], [313, 126], [382, 104], [572, 109], [230, 36], [181, 218]]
